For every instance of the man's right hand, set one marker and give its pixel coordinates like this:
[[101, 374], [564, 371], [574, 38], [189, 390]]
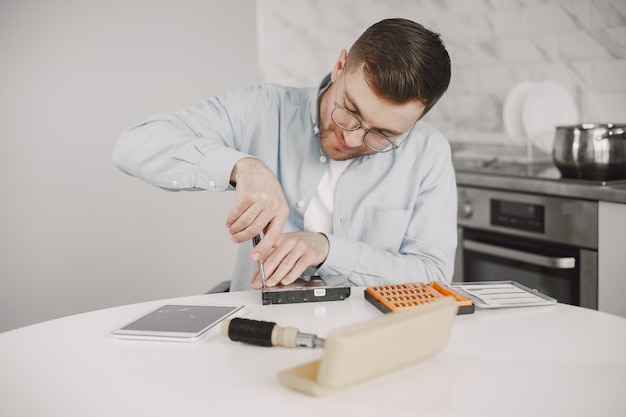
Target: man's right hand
[[261, 206]]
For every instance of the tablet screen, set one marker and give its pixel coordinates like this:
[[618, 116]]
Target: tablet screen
[[181, 321]]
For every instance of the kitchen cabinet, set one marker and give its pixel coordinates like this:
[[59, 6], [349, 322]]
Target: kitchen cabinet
[[612, 258]]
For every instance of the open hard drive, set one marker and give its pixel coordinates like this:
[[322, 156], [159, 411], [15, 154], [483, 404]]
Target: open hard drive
[[305, 289]]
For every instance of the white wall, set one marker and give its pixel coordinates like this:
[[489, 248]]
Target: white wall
[[76, 234]]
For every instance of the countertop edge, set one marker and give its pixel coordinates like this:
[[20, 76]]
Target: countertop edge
[[562, 188]]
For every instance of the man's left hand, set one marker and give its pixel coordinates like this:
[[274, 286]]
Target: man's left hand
[[291, 255]]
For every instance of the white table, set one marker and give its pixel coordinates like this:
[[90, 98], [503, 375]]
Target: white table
[[539, 361]]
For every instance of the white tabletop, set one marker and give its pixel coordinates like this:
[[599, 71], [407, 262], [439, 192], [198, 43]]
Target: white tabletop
[[536, 361]]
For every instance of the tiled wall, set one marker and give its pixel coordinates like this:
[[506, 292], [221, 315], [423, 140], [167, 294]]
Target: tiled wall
[[494, 44]]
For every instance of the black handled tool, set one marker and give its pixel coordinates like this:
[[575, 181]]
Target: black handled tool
[[265, 333]]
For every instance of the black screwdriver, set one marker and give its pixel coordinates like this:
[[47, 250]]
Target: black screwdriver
[[265, 333]]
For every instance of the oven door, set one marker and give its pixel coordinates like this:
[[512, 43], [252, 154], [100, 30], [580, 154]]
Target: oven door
[[566, 273]]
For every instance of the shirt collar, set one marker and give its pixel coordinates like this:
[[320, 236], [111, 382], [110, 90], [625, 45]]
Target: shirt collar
[[315, 108]]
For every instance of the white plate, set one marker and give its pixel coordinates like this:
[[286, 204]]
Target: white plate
[[547, 105], [512, 112]]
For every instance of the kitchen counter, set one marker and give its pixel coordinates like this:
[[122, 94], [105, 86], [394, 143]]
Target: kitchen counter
[[587, 190]]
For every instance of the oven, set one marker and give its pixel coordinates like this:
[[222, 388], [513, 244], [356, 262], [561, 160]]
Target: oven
[[543, 242]]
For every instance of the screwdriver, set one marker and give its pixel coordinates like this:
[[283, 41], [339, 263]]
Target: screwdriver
[[265, 333], [255, 241]]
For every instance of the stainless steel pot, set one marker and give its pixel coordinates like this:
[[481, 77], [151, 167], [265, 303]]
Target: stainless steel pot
[[591, 151]]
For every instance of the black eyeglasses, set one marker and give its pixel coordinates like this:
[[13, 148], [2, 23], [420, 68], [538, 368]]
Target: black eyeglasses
[[375, 141]]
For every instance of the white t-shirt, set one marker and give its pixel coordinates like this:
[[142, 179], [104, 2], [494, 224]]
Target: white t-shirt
[[318, 217]]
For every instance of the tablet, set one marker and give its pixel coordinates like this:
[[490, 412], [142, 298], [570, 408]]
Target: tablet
[[175, 322]]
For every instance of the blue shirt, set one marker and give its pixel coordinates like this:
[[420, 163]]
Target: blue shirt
[[394, 217]]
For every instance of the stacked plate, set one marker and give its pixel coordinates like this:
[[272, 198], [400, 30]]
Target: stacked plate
[[533, 110]]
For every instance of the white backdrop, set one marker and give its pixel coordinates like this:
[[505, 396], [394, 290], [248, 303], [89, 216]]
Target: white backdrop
[[76, 234]]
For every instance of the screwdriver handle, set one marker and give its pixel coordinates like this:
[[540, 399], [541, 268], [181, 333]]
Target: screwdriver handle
[[260, 333], [285, 336]]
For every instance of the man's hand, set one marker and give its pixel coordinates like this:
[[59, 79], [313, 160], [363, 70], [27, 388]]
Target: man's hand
[[292, 254], [261, 206]]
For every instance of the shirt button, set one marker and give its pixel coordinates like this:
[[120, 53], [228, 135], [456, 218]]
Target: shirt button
[[211, 184], [174, 183], [300, 204], [322, 159]]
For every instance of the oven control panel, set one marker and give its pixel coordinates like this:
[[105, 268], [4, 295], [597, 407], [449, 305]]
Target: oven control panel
[[555, 219], [518, 215]]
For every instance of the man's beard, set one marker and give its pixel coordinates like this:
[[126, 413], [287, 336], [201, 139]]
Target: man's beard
[[329, 145]]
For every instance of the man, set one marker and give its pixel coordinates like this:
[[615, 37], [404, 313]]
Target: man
[[344, 178]]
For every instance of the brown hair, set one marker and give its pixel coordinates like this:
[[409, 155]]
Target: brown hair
[[402, 61]]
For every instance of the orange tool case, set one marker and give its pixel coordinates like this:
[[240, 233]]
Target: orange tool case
[[394, 297]]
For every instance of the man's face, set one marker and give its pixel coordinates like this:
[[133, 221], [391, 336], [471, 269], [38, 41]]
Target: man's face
[[351, 92]]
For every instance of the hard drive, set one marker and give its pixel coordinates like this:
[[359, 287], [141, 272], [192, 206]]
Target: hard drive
[[305, 289]]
